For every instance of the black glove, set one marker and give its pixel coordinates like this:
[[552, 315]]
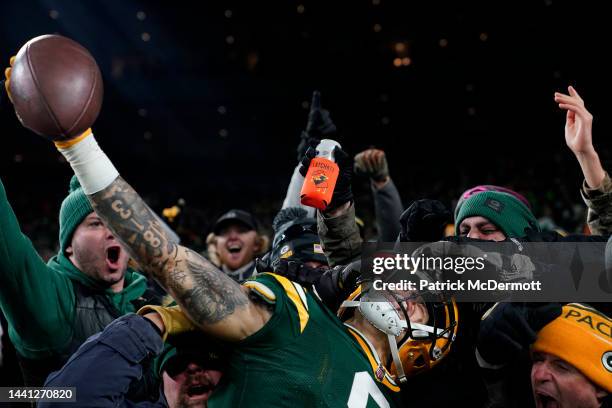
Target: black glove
[[332, 285], [336, 284], [346, 278], [264, 264], [508, 329], [424, 221], [318, 126], [342, 191]]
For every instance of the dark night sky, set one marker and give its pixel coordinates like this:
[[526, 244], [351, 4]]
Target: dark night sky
[[211, 105]]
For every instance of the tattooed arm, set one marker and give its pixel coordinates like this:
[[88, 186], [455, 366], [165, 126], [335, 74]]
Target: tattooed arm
[[212, 299]]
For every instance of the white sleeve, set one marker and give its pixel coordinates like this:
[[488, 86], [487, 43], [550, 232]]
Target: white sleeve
[[91, 165], [292, 199]]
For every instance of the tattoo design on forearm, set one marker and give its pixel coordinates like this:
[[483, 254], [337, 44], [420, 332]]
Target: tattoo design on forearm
[[207, 294]]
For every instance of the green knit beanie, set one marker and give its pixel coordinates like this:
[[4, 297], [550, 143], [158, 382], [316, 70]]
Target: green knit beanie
[[502, 209], [74, 209]]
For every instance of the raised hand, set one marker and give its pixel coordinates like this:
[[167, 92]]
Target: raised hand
[[319, 126], [343, 192], [319, 121], [424, 221], [578, 136], [578, 123], [372, 163]]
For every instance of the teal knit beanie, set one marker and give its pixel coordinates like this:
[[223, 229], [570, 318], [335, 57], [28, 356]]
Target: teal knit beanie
[[74, 209], [502, 209]]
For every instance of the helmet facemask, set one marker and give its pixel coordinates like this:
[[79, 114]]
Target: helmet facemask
[[424, 345], [416, 344]]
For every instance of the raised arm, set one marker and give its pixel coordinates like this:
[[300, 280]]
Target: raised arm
[[319, 126], [210, 298], [579, 138], [336, 225], [37, 301], [213, 300], [387, 202], [596, 189]]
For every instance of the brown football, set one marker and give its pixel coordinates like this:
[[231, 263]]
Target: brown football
[[56, 87]]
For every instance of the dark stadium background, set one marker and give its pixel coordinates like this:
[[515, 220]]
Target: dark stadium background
[[206, 101]]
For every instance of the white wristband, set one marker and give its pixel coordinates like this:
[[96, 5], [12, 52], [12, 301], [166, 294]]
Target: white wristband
[[91, 165]]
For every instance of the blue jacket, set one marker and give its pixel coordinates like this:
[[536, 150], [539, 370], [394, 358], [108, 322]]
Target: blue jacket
[[103, 368]]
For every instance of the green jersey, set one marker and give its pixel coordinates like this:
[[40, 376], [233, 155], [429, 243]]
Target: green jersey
[[303, 357]]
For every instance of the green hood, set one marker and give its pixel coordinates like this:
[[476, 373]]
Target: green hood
[[134, 286]]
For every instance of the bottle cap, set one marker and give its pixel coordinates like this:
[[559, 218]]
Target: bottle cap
[[326, 149]]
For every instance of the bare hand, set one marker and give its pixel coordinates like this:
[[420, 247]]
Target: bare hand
[[579, 136], [578, 123], [373, 163]]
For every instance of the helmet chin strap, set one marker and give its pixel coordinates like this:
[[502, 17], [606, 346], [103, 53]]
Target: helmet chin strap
[[385, 318], [401, 376]]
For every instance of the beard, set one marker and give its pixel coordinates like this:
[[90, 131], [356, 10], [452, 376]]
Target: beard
[[183, 403], [94, 264], [194, 386]]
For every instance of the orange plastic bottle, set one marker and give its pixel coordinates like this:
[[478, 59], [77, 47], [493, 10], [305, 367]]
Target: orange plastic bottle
[[321, 177]]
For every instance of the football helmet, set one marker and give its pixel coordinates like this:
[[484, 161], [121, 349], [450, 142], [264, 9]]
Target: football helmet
[[415, 346]]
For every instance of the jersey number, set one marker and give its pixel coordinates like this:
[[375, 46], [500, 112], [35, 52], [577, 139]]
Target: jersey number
[[363, 388]]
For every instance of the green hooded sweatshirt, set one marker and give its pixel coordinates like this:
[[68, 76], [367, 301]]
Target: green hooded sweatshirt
[[38, 299]]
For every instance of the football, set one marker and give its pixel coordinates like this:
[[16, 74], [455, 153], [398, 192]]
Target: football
[[56, 87]]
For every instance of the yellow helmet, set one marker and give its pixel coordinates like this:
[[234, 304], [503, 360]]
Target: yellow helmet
[[421, 345]]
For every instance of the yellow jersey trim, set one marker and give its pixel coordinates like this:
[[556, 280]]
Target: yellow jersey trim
[[374, 362], [261, 290], [296, 297]]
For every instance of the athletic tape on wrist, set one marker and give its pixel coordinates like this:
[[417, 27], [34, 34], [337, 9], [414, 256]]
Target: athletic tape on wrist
[[91, 165]]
